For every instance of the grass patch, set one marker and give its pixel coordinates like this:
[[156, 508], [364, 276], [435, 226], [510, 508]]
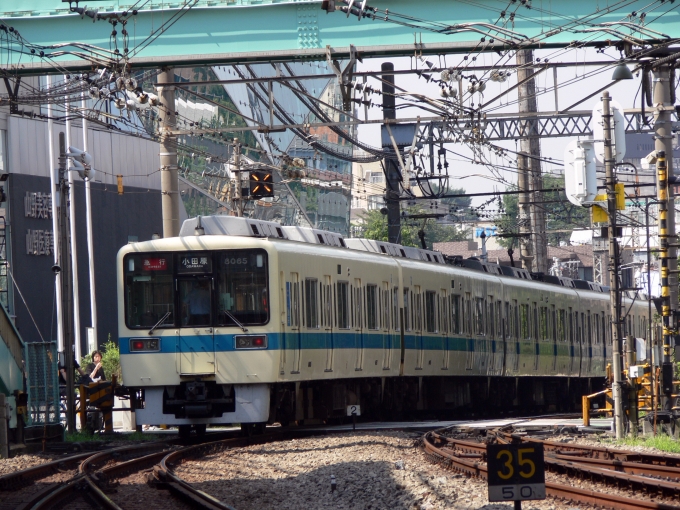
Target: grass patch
[[84, 437], [141, 436], [661, 442]]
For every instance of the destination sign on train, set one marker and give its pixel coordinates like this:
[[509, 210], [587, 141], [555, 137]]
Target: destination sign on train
[[195, 263], [154, 264]]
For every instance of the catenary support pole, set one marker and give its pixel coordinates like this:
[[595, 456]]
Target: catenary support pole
[[66, 290], [614, 265], [525, 244], [74, 245], [392, 173], [668, 262], [54, 194], [90, 236], [530, 145], [168, 149]]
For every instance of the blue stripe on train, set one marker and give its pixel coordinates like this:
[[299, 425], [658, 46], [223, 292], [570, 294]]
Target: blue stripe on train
[[320, 340]]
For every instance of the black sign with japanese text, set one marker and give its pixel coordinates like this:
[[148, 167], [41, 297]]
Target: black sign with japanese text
[[516, 471], [194, 263]]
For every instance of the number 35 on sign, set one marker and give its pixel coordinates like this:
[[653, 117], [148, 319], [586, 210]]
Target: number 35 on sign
[[516, 471]]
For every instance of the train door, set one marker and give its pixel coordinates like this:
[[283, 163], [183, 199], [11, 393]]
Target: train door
[[292, 338], [384, 313], [357, 324], [327, 320], [196, 347]]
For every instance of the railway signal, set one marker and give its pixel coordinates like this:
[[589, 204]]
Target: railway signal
[[261, 184]]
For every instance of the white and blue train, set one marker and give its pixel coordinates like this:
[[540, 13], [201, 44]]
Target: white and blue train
[[245, 321]]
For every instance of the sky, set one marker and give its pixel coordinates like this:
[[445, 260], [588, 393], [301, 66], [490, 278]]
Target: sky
[[574, 84]]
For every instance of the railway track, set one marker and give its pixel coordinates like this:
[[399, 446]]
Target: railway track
[[92, 479], [97, 479], [651, 474]]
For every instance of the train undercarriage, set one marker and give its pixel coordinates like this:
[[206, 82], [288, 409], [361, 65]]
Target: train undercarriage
[[428, 398]]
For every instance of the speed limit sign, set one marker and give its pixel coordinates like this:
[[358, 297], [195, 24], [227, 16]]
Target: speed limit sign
[[516, 471]]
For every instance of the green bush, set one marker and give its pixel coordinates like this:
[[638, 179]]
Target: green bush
[[110, 360]]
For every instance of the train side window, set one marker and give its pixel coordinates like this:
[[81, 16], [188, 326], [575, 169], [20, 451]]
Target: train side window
[[543, 323], [395, 309], [515, 317], [553, 324], [311, 304], [507, 311], [455, 313], [341, 297], [418, 309], [524, 321], [534, 321], [385, 307], [371, 306], [499, 321], [294, 301], [479, 316], [358, 315], [560, 326], [407, 308], [467, 314], [490, 318], [430, 314], [444, 312], [351, 307]]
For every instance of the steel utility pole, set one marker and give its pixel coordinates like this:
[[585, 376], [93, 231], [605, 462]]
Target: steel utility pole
[[66, 289], [525, 244], [74, 250], [667, 239], [530, 146], [90, 242], [392, 173], [614, 263], [169, 175]]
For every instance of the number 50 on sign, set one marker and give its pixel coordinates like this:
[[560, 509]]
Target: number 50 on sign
[[516, 471]]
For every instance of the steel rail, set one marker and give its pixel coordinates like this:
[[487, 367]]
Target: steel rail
[[86, 478], [633, 468], [599, 452], [560, 491], [18, 479]]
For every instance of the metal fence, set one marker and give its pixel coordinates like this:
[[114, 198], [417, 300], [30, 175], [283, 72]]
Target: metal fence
[[43, 383]]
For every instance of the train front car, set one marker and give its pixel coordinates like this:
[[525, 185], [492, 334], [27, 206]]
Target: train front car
[[195, 331]]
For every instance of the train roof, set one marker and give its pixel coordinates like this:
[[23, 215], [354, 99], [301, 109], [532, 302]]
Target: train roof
[[251, 227]]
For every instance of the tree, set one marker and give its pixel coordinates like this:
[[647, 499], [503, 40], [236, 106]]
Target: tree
[[374, 226], [561, 215]]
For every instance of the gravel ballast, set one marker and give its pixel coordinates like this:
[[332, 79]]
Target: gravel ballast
[[381, 470]]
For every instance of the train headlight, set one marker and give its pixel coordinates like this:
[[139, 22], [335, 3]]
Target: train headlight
[[250, 341], [145, 344]]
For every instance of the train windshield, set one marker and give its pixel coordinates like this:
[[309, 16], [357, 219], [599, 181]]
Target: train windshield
[[149, 295], [242, 287]]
